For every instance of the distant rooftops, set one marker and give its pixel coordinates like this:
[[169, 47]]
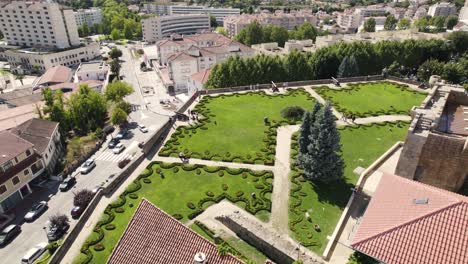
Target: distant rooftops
[[152, 236], [93, 66], [413, 223]]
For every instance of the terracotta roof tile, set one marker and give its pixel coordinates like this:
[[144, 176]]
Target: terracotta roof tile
[[201, 76], [152, 237], [395, 229], [57, 74]]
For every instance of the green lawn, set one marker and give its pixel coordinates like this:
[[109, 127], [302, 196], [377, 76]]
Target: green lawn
[[325, 202], [200, 185], [235, 128], [372, 99]]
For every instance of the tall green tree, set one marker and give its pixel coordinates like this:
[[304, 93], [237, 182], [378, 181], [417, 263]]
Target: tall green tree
[[87, 110], [324, 162], [404, 23], [115, 67], [213, 22], [280, 35], [116, 34], [307, 131], [116, 91], [369, 25], [304, 31], [115, 53], [348, 67], [439, 23], [451, 21], [390, 23], [118, 116], [252, 34]]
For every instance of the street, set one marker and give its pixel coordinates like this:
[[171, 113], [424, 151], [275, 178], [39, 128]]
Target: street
[[152, 117]]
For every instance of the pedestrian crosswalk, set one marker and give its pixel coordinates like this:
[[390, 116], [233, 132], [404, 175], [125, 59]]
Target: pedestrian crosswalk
[[108, 155]]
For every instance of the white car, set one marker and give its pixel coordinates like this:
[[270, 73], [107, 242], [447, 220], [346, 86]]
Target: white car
[[87, 166], [143, 128], [118, 149], [34, 253]]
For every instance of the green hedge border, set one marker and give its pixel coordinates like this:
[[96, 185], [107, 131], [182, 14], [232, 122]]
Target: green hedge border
[[261, 203], [321, 90], [265, 156]]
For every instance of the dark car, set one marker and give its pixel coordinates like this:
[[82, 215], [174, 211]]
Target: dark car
[[67, 184], [122, 134], [55, 233], [8, 233], [77, 211], [113, 142], [35, 211]]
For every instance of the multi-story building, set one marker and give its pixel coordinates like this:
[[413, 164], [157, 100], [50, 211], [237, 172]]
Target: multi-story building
[[20, 163], [45, 137], [38, 24], [185, 56], [234, 24], [217, 12], [28, 59], [177, 43], [349, 20], [156, 28], [442, 9], [88, 16], [375, 10]]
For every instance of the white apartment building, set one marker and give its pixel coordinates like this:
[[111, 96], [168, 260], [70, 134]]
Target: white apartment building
[[93, 70], [371, 11], [162, 10], [349, 20], [88, 16], [156, 28], [185, 56], [177, 43], [24, 60], [234, 24], [442, 9], [38, 24]]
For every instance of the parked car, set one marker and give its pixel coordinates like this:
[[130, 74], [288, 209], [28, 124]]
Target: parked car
[[143, 128], [34, 253], [113, 142], [35, 211], [108, 129], [8, 233], [123, 163], [118, 149], [122, 134], [77, 211], [67, 184], [87, 166], [55, 233]]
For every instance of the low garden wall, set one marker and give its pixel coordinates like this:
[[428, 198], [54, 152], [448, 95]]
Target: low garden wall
[[407, 81], [359, 185]]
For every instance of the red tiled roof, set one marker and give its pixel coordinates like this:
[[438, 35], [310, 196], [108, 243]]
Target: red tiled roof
[[395, 229], [11, 146], [201, 76], [54, 75], [154, 237]]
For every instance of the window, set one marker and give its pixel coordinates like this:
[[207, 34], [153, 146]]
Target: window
[[26, 172], [7, 165], [3, 189], [15, 180], [28, 153]]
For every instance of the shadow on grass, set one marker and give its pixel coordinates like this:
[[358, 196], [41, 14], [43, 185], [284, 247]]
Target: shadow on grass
[[335, 193]]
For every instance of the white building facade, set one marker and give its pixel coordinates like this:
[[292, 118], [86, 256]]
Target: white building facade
[[156, 28], [88, 16], [38, 24], [164, 10], [442, 9]]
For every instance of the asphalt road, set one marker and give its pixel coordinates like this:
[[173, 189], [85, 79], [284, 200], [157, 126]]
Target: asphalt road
[[106, 161]]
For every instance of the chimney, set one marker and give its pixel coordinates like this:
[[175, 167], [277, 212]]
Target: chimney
[[200, 258]]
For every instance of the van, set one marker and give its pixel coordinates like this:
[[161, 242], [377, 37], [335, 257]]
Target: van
[[9, 233], [34, 253]]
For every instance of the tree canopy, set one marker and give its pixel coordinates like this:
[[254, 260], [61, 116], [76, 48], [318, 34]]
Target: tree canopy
[[116, 91], [369, 25]]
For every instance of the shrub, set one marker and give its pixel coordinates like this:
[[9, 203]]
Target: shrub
[[110, 227], [292, 112], [225, 187], [190, 205], [198, 171], [52, 247], [220, 173], [83, 197], [60, 221], [239, 193], [244, 175], [177, 216], [210, 194], [175, 169], [148, 181], [119, 210], [259, 186], [99, 247], [133, 196]]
